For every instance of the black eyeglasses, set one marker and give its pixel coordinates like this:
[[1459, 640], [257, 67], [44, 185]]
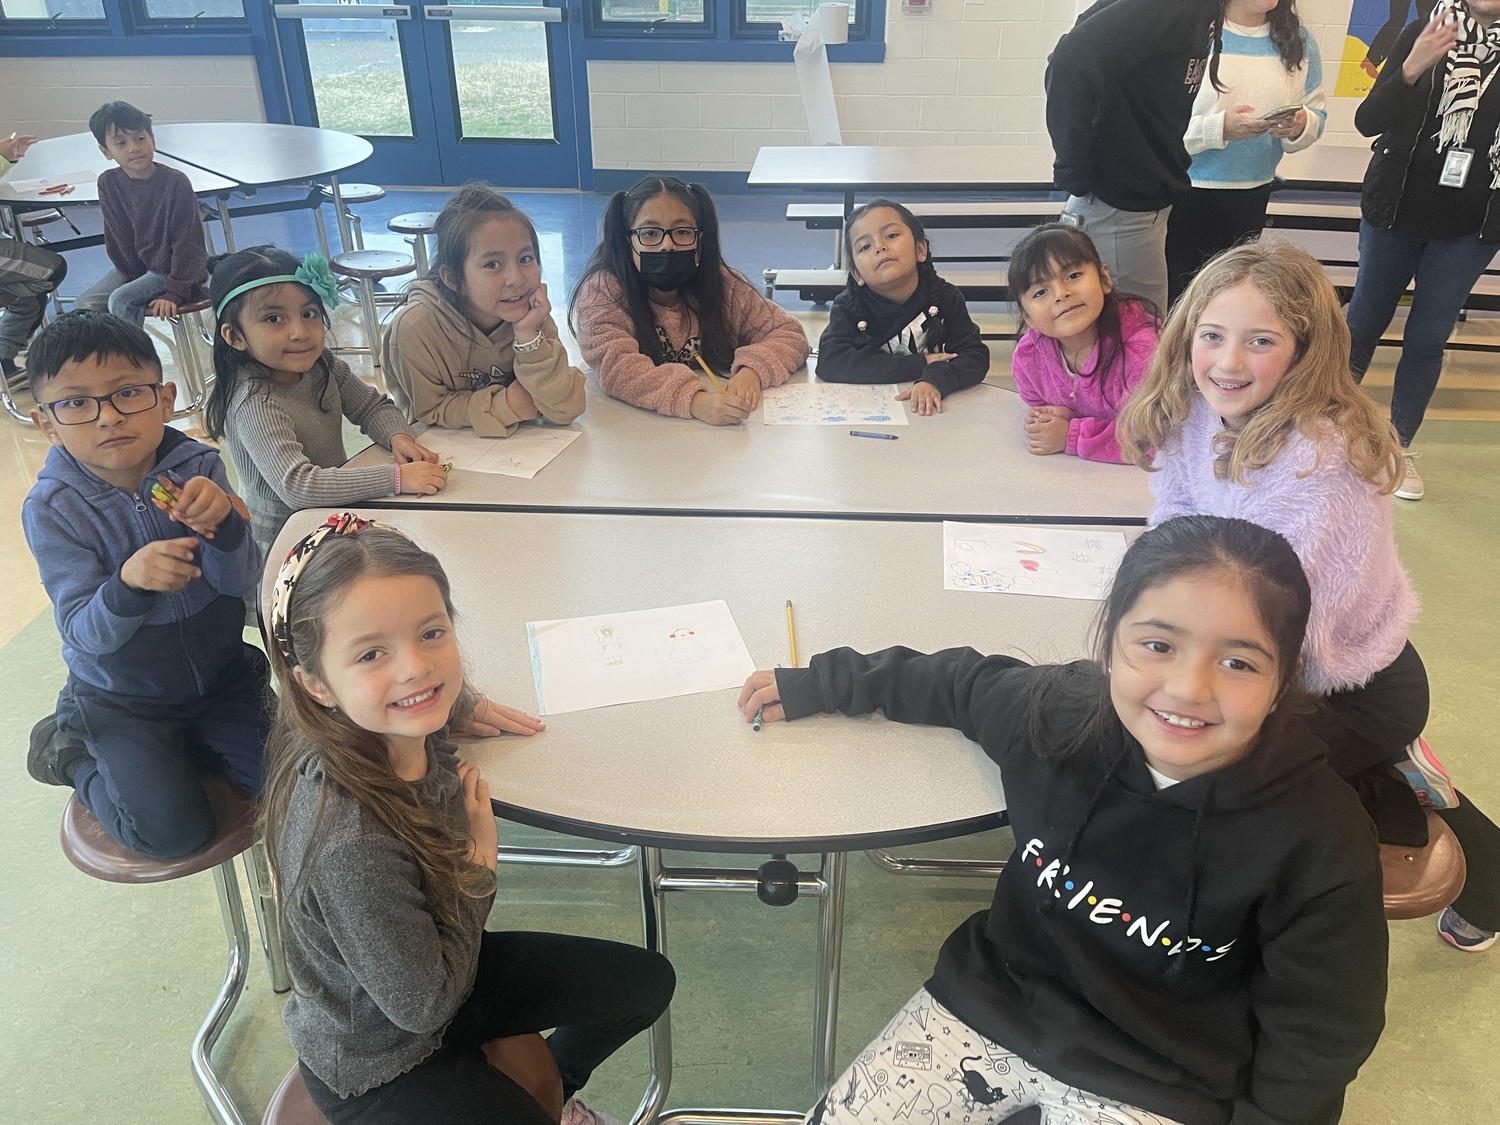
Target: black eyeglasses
[[652, 236], [82, 409]]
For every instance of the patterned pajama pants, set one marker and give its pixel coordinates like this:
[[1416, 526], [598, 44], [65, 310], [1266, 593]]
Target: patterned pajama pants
[[929, 1068]]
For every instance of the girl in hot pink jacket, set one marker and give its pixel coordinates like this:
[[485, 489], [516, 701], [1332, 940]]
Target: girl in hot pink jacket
[[656, 306], [1085, 346]]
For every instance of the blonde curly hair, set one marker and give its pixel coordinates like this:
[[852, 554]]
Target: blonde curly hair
[[1317, 392]]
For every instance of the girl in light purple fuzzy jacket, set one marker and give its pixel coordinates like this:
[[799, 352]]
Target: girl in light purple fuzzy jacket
[[1085, 347], [1252, 412]]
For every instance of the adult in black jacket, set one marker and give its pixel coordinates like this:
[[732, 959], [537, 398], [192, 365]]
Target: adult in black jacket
[[897, 321], [1191, 928], [1432, 110], [1120, 90]]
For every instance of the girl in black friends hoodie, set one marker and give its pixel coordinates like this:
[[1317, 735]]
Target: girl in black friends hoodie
[[1190, 930]]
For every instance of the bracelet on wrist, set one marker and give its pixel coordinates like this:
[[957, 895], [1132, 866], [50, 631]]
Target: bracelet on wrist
[[532, 344]]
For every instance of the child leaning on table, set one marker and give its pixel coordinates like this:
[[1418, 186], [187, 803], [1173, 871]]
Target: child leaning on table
[[384, 846], [153, 232], [1085, 347], [1249, 410], [897, 321], [147, 557], [1191, 929], [280, 396], [656, 300], [475, 344]]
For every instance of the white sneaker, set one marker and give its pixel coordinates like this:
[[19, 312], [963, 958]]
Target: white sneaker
[[1411, 486]]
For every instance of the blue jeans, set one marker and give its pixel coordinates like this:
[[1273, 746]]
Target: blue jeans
[[125, 299], [1445, 270]]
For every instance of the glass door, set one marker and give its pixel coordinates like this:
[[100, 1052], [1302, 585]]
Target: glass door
[[444, 93]]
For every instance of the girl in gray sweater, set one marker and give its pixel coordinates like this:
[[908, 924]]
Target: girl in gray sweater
[[384, 845], [280, 396]]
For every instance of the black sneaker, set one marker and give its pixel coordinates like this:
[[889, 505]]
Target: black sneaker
[[53, 758]]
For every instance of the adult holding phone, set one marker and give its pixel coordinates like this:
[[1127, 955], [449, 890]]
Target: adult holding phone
[[1120, 88], [1263, 99], [1428, 203]]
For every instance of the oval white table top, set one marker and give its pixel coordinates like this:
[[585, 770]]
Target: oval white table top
[[79, 152], [687, 772], [968, 462]]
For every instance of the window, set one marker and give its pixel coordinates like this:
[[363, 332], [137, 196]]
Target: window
[[761, 19], [651, 11], [660, 23], [52, 9], [184, 11]]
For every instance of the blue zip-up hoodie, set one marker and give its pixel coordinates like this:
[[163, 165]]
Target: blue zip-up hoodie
[[169, 648]]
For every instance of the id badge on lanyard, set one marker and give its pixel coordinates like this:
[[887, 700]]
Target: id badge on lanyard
[[1457, 160]]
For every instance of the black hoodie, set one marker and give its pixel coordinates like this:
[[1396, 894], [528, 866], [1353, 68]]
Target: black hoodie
[[1120, 89], [1212, 952], [889, 349]]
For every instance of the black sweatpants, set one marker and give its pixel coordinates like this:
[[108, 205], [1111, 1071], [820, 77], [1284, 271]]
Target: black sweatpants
[[146, 757], [597, 994], [1366, 728], [1207, 221]]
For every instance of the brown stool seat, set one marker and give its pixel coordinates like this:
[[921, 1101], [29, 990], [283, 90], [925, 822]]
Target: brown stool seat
[[374, 265], [525, 1059], [1421, 881], [356, 193], [201, 305], [414, 222], [94, 852]]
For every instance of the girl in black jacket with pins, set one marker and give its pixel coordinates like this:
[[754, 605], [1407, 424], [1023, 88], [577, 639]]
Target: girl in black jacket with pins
[[897, 321], [1190, 930]]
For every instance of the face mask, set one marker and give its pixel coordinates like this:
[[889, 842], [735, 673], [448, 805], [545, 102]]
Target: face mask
[[669, 269]]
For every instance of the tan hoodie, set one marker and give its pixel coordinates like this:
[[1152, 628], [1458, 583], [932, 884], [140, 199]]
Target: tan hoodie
[[444, 371]]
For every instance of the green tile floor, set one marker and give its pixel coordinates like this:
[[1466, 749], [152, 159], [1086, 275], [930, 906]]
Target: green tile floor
[[102, 987]]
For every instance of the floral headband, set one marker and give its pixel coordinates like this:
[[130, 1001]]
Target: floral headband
[[313, 273], [341, 523]]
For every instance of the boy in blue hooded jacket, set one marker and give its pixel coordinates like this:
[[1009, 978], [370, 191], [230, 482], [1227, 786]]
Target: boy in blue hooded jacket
[[147, 557]]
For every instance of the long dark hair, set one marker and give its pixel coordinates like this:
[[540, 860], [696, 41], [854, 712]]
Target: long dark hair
[[470, 207], [353, 759], [1286, 36], [926, 271], [1052, 248], [227, 272], [704, 295], [1070, 712]]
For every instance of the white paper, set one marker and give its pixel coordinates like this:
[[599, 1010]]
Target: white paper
[[832, 404], [524, 454], [1015, 559], [810, 59], [612, 658], [15, 185]]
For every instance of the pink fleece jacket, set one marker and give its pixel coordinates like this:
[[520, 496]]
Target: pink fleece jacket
[[1043, 379], [1341, 528], [767, 341]]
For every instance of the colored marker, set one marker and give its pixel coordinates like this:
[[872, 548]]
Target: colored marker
[[867, 433], [707, 370]]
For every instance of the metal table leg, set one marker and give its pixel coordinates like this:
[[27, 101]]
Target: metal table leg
[[229, 246], [827, 885], [346, 238]]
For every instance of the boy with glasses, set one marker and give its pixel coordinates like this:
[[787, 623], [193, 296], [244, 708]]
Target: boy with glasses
[[147, 557]]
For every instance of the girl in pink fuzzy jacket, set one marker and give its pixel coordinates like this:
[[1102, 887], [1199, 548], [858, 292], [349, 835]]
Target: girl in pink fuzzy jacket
[[1085, 347], [656, 305], [1252, 412]]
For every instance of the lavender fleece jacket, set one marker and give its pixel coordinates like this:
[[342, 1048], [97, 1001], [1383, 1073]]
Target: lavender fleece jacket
[[1341, 528], [1043, 379]]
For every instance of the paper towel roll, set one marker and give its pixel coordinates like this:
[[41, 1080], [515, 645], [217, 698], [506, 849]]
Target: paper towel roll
[[834, 25], [810, 58]]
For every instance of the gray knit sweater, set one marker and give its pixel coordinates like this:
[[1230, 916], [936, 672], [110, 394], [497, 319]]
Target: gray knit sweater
[[377, 977], [287, 443]]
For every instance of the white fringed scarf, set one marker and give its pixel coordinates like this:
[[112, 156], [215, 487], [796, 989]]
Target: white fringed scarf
[[1476, 48]]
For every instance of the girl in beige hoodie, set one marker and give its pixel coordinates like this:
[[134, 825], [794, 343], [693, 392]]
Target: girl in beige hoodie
[[475, 344]]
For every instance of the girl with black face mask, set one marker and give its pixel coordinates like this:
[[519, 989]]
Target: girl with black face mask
[[656, 303]]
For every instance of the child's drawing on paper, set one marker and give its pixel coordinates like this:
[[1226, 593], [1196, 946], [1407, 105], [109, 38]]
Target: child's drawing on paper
[[1042, 561], [611, 647], [833, 404], [684, 647]]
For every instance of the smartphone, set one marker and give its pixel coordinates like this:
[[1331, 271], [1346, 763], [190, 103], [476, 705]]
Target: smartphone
[[1284, 111]]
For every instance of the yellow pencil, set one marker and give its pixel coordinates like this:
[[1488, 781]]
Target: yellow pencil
[[791, 633], [709, 371]]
